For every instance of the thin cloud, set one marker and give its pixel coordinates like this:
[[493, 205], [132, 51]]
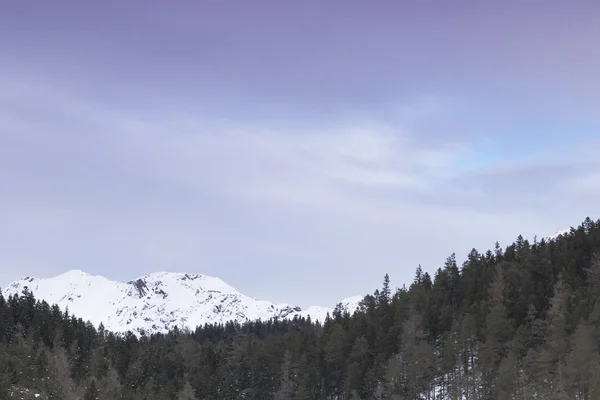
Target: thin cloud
[[106, 189]]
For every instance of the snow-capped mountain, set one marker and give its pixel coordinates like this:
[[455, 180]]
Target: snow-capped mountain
[[159, 301], [558, 234]]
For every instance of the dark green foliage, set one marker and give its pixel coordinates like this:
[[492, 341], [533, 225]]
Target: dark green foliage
[[516, 323], [91, 393]]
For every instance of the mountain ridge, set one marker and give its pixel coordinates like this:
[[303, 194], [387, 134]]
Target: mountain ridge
[[159, 301]]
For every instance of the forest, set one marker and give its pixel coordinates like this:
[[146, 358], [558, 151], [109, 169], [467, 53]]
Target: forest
[[519, 322]]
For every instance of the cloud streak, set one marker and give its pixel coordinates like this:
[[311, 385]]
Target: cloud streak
[[244, 200]]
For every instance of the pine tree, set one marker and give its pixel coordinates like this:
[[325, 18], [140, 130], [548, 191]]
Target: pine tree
[[335, 360], [582, 360], [359, 362], [505, 385], [109, 384], [553, 354], [385, 293], [309, 384], [4, 380], [288, 374], [467, 381], [91, 393], [263, 371], [187, 393], [411, 372], [497, 330]]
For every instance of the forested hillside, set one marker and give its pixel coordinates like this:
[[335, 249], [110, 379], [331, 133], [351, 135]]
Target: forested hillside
[[521, 322]]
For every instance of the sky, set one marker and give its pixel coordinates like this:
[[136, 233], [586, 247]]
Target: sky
[[297, 150]]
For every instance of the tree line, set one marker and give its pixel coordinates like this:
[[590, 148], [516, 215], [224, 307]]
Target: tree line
[[520, 322]]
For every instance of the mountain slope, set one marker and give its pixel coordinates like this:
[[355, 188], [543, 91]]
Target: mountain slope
[[159, 301], [558, 234]]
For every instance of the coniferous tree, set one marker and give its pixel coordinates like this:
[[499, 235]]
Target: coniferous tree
[[359, 362], [187, 393], [582, 361], [505, 384], [498, 331], [553, 354], [91, 392]]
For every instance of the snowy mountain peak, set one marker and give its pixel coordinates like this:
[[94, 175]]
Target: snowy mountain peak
[[558, 234], [159, 301], [207, 283]]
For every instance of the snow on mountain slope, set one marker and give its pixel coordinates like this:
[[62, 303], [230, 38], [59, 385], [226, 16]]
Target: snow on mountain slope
[[349, 304], [556, 235], [159, 301]]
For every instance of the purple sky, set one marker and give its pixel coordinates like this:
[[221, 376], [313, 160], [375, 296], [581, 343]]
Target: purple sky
[[297, 150]]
